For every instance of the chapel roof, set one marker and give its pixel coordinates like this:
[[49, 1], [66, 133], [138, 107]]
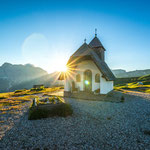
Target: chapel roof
[[83, 50], [87, 52]]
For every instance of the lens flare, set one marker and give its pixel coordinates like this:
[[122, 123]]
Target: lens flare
[[86, 82]]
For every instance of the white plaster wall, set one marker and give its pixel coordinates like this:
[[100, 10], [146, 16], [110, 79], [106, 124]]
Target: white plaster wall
[[105, 86], [67, 84]]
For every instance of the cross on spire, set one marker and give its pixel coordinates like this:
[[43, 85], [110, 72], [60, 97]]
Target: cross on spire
[[85, 40], [95, 32]]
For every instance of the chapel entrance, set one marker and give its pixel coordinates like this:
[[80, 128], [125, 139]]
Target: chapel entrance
[[88, 81]]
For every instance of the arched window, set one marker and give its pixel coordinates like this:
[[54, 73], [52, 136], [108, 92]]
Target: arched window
[[78, 78], [97, 78]]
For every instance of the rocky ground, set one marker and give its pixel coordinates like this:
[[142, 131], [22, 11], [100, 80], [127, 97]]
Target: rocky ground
[[94, 125], [8, 120]]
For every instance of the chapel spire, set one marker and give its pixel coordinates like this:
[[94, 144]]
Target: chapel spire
[[96, 43], [95, 32]]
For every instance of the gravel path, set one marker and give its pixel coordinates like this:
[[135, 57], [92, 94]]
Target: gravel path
[[94, 125]]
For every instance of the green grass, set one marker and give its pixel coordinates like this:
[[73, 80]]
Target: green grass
[[18, 91], [135, 86], [31, 91], [122, 99], [144, 78], [122, 81], [28, 92], [147, 91], [11, 100], [14, 103], [5, 95], [147, 132]]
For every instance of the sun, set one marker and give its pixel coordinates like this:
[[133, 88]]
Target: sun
[[60, 66], [63, 68], [60, 63]]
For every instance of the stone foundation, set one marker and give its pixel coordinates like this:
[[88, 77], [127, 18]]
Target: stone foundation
[[84, 95], [67, 93]]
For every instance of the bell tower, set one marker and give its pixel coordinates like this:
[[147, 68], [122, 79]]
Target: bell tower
[[97, 46]]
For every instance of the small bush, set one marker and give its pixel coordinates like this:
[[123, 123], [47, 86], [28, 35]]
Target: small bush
[[146, 82], [62, 110], [37, 89], [147, 132], [32, 89], [108, 118], [122, 99], [36, 113]]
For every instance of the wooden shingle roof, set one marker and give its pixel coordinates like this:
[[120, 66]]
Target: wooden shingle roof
[[95, 43], [103, 67]]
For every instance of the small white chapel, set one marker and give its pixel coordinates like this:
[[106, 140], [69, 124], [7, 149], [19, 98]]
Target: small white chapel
[[88, 71]]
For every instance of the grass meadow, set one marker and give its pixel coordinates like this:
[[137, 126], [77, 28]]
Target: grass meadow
[[12, 102]]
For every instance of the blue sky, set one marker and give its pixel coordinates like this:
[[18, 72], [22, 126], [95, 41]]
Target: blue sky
[[45, 33]]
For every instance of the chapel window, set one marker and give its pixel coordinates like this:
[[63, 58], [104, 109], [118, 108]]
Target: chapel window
[[97, 78], [78, 78]]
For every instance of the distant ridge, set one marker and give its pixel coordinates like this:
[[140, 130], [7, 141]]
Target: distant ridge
[[120, 73]]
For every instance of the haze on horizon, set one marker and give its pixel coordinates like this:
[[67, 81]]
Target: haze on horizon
[[45, 33]]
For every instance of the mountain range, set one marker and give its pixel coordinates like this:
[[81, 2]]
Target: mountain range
[[13, 77]]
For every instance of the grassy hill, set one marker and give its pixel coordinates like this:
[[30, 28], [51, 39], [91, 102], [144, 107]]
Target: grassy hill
[[141, 84], [12, 102]]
